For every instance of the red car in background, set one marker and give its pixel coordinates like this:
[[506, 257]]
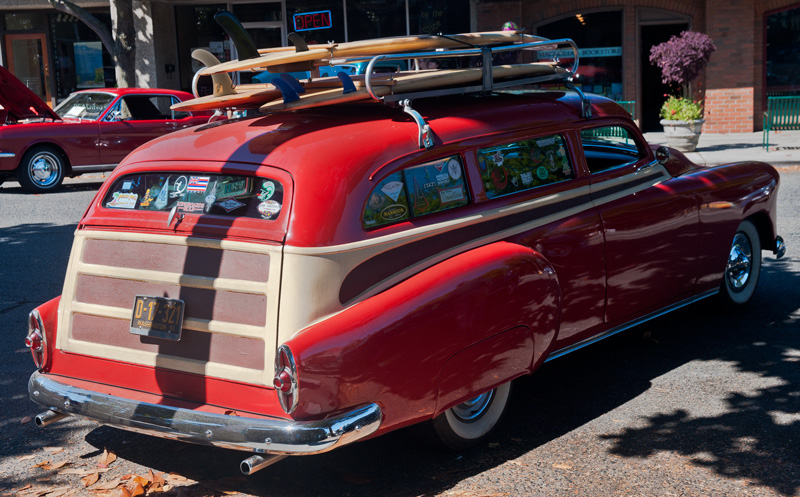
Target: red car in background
[[92, 130]]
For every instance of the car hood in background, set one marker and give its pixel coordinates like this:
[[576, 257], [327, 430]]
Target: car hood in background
[[19, 101]]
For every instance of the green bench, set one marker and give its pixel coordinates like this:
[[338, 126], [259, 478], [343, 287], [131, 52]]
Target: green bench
[[783, 113], [629, 105]]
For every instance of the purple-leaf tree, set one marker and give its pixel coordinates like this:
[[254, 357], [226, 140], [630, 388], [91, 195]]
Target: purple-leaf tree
[[682, 57]]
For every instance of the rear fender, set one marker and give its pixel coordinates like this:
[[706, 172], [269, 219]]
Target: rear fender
[[413, 343]]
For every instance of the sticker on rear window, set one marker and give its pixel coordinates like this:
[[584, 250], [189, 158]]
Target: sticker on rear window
[[198, 194], [123, 201]]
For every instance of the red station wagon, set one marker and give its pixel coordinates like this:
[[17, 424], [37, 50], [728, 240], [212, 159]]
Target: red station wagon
[[289, 283], [92, 130]]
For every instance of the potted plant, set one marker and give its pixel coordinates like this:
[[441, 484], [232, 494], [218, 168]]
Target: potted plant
[[681, 59]]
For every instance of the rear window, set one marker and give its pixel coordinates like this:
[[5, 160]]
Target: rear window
[[223, 195]]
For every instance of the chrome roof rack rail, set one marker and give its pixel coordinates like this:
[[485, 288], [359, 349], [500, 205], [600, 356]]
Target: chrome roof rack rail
[[487, 81]]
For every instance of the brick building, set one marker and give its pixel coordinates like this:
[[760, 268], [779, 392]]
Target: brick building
[[758, 49], [758, 42]]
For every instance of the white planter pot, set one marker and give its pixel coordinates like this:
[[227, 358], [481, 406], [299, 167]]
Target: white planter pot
[[682, 135]]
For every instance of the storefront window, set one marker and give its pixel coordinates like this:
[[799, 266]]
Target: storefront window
[[334, 33], [599, 38], [81, 61], [375, 19], [439, 16], [783, 53], [196, 28]]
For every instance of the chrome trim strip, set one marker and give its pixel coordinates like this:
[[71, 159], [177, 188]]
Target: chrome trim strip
[[629, 325], [260, 435], [7, 155], [96, 167]]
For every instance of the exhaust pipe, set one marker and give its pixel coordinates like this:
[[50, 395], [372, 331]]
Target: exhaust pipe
[[48, 417], [256, 463]]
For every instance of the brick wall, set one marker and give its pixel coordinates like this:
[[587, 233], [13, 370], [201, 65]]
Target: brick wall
[[729, 110], [730, 78]]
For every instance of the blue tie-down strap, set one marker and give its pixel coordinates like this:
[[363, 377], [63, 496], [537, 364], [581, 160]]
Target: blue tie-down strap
[[347, 83]]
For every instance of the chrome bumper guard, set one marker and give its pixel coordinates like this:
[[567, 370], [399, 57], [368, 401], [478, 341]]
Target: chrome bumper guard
[[260, 435]]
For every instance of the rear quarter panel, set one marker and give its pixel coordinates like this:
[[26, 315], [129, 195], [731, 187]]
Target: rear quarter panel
[[393, 348]]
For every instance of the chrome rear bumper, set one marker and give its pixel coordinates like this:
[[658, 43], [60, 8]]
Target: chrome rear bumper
[[260, 435]]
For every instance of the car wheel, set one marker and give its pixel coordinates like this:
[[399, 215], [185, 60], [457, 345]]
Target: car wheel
[[743, 266], [471, 422], [41, 170]]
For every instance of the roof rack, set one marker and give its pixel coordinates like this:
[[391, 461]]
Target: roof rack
[[487, 83]]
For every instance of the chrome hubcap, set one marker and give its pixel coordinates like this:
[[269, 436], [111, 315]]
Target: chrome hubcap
[[44, 169], [740, 262], [473, 409]]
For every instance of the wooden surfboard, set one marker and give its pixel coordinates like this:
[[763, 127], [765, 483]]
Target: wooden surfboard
[[253, 96], [286, 55], [411, 82]]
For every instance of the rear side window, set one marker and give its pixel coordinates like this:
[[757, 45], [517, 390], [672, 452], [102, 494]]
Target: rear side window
[[522, 165], [609, 147], [417, 191], [187, 193]]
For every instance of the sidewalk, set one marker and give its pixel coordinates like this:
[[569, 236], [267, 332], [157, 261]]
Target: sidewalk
[[721, 148]]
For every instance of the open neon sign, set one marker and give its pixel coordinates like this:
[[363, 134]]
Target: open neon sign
[[312, 20]]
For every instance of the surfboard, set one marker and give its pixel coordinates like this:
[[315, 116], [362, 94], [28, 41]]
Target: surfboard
[[378, 46], [254, 95], [412, 82]]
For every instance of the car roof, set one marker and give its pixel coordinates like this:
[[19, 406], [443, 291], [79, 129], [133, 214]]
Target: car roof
[[366, 130]]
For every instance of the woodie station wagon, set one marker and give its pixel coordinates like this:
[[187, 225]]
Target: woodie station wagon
[[288, 283]]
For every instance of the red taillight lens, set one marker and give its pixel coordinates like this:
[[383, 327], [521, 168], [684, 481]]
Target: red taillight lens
[[285, 381], [36, 339]]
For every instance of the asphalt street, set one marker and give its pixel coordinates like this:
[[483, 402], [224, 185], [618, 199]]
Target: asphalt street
[[701, 402]]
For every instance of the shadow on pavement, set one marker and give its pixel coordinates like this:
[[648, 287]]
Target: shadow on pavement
[[756, 437]]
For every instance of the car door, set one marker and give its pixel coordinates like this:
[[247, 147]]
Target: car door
[[541, 175], [132, 121], [649, 223]]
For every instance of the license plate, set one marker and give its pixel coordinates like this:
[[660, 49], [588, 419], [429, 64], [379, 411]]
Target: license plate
[[157, 317]]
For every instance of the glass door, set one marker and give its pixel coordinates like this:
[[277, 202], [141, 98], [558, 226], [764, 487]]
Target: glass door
[[27, 59]]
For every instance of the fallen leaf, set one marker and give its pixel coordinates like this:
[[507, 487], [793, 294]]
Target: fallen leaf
[[562, 466], [137, 490], [125, 493], [26, 420], [40, 464], [57, 465], [53, 450], [231, 413], [111, 485], [106, 458], [141, 480], [61, 491], [157, 482], [28, 457], [24, 488], [90, 479]]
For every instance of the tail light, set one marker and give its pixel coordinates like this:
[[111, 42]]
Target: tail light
[[37, 339], [285, 381]]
